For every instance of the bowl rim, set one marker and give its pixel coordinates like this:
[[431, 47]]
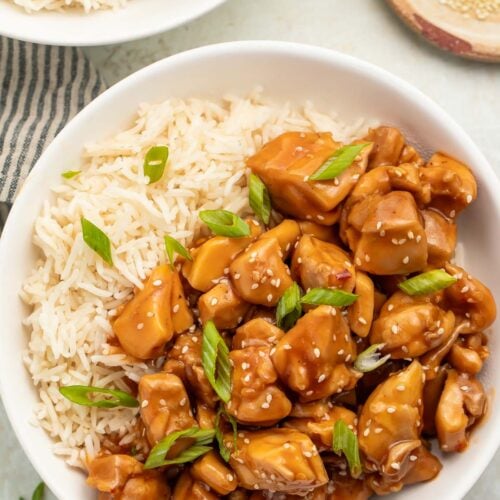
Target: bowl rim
[[260, 48], [47, 37]]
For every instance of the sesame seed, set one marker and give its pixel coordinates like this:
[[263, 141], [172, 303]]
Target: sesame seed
[[340, 352], [418, 238], [229, 477], [395, 466], [287, 446], [406, 259], [182, 402], [452, 213], [150, 314], [317, 352], [254, 286], [366, 432], [262, 354], [413, 458], [163, 402], [269, 398], [464, 388], [157, 282], [410, 234], [336, 181], [185, 349], [245, 365], [140, 326], [358, 261], [390, 307], [308, 454], [391, 409], [320, 217], [348, 358], [309, 393], [306, 178], [265, 405], [246, 441], [176, 308], [367, 258], [333, 311], [382, 233], [246, 378], [299, 260], [214, 301], [465, 289], [287, 347], [378, 430], [144, 403], [237, 276], [362, 320], [226, 270], [404, 349], [272, 351], [394, 241], [440, 331], [395, 329], [321, 378], [379, 225], [469, 198], [270, 297], [278, 282], [400, 388]]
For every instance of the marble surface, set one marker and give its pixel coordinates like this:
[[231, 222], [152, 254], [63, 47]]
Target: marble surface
[[367, 29]]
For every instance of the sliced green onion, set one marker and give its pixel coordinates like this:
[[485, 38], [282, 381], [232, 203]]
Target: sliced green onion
[[171, 246], [346, 442], [329, 297], [370, 359], [154, 163], [79, 394], [260, 202], [225, 223], [39, 491], [202, 438], [341, 160], [429, 282], [97, 240], [225, 452], [70, 174], [289, 308], [215, 361]]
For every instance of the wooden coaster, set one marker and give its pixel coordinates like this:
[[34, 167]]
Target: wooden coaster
[[464, 36]]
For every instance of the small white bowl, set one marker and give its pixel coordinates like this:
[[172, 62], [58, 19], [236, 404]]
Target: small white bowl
[[287, 72], [138, 19]]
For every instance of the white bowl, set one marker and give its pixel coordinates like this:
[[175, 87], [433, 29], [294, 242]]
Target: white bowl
[[286, 71], [138, 19]]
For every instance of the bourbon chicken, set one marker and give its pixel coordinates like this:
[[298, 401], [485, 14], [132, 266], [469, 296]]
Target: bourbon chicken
[[335, 313]]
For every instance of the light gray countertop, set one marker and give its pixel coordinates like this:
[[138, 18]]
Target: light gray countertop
[[469, 91]]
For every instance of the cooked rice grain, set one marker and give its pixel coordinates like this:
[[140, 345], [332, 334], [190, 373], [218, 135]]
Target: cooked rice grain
[[73, 293]]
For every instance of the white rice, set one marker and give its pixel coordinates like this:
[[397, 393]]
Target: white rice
[[86, 5], [73, 293]]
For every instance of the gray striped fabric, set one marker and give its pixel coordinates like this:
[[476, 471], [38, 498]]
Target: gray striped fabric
[[41, 88]]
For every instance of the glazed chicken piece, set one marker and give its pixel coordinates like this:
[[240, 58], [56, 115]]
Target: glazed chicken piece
[[323, 233], [411, 326], [387, 235], [165, 408], [184, 360], [211, 470], [315, 357], [154, 315], [388, 146], [212, 258], [109, 473], [189, 488], [256, 398], [389, 428], [432, 392], [318, 264], [284, 165], [462, 404], [145, 487], [223, 306], [469, 352], [470, 300], [287, 233], [360, 315], [205, 416], [259, 274], [441, 236], [282, 460], [319, 425], [451, 184]]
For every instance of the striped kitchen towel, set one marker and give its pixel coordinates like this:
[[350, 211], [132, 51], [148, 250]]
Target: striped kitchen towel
[[41, 88]]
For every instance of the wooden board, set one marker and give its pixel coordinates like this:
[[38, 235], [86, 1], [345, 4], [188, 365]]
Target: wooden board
[[450, 30]]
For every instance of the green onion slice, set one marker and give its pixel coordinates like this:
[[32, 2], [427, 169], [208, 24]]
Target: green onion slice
[[70, 174], [341, 160], [346, 442], [171, 246], [329, 297], [260, 202], [370, 359], [429, 282], [79, 394], [225, 452], [39, 492], [154, 163], [225, 223], [202, 438], [215, 361], [289, 308], [97, 240]]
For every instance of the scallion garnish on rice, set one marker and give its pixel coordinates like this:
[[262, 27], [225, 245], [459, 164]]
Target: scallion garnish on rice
[[79, 394], [97, 240], [329, 297], [202, 438], [215, 361], [259, 199], [69, 174], [346, 442], [225, 223], [173, 246], [224, 451], [154, 163], [429, 282], [341, 160]]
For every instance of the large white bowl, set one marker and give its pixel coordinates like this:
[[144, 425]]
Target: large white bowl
[[138, 19], [286, 71]]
